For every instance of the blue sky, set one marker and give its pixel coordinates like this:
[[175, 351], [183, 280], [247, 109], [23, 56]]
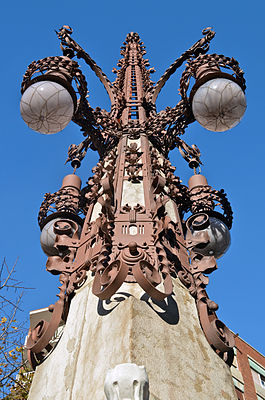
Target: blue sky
[[33, 164]]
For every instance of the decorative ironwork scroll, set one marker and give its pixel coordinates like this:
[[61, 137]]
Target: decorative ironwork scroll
[[194, 278], [128, 223]]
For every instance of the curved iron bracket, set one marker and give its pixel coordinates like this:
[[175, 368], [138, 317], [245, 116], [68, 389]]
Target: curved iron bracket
[[200, 47], [67, 43]]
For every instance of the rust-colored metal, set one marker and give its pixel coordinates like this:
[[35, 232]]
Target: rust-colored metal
[[73, 181], [193, 276], [65, 202], [127, 223], [203, 198], [197, 180], [206, 67]]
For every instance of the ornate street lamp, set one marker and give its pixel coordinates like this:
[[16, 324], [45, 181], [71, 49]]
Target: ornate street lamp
[[134, 221], [48, 101], [218, 100]]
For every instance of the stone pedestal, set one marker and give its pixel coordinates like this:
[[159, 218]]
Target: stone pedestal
[[165, 337]]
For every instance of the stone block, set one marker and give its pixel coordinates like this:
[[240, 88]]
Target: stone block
[[165, 337]]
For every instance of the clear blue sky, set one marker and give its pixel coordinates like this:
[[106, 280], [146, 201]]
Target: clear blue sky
[[33, 164]]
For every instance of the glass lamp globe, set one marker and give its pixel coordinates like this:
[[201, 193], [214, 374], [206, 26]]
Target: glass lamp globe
[[47, 237], [219, 104], [219, 238], [46, 107]]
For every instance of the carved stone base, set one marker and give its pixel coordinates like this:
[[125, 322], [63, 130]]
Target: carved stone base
[[164, 337], [127, 382]]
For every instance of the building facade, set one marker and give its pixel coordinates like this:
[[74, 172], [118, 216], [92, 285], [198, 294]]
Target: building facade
[[248, 371]]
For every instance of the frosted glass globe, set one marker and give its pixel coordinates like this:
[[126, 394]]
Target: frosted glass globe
[[219, 238], [47, 237], [219, 104], [46, 107]]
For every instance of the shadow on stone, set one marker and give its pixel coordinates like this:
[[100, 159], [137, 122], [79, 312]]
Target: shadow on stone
[[167, 309], [106, 306]]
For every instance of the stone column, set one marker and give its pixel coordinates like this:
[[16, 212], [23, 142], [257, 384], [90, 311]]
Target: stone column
[[165, 337]]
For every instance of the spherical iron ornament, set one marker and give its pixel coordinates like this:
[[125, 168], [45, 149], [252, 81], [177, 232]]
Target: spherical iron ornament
[[219, 104], [219, 236], [47, 107], [48, 236]]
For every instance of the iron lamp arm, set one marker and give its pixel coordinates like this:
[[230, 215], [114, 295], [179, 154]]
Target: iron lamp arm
[[70, 47], [200, 47]]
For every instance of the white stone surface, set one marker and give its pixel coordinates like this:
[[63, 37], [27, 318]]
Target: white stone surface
[[46, 107], [130, 328], [132, 193], [170, 210], [137, 141], [96, 212], [219, 104], [127, 382]]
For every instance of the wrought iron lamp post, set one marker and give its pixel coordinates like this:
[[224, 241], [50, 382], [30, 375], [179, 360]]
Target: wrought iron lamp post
[[130, 222]]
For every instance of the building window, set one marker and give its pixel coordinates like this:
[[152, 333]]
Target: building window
[[262, 380], [258, 373], [235, 359]]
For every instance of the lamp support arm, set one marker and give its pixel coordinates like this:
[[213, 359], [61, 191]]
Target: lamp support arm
[[69, 44], [200, 47]]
